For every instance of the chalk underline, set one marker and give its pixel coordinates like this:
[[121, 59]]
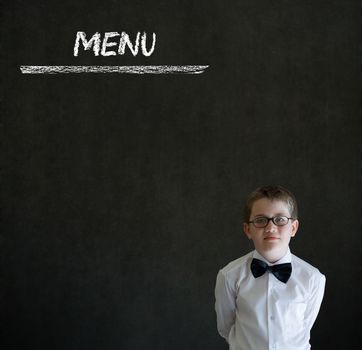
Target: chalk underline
[[161, 69]]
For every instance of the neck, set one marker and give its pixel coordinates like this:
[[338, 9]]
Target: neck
[[272, 256]]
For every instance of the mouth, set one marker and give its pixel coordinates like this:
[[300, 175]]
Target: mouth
[[271, 238]]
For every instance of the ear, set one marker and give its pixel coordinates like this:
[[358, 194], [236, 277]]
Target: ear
[[247, 230], [295, 225]]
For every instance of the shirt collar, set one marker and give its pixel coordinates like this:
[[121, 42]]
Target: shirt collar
[[287, 258]]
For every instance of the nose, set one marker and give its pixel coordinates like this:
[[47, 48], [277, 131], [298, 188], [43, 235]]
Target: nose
[[270, 227]]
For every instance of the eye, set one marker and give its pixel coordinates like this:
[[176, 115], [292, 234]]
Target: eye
[[280, 220], [260, 220]]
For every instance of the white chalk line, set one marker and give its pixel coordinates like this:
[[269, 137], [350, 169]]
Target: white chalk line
[[162, 69]]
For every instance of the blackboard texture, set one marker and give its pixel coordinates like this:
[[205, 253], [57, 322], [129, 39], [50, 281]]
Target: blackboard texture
[[122, 193]]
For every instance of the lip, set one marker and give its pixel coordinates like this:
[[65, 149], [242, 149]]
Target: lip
[[271, 238]]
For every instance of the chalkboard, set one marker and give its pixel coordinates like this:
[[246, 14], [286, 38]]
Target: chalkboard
[[132, 132]]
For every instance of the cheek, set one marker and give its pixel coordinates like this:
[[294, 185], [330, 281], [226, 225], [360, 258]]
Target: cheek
[[287, 236], [257, 238]]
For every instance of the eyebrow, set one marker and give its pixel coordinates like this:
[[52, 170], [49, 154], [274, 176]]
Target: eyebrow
[[277, 214]]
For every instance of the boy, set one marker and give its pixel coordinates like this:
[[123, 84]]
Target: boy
[[269, 298]]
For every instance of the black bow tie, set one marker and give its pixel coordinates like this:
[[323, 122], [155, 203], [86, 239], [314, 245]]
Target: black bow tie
[[281, 271]]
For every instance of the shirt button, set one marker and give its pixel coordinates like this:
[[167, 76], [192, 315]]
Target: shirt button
[[272, 318]]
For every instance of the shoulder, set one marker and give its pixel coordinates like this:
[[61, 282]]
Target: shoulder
[[235, 268], [304, 269]]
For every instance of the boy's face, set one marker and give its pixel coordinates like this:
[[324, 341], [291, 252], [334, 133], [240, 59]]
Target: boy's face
[[271, 241]]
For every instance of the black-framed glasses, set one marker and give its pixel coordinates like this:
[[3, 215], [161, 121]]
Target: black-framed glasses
[[263, 221]]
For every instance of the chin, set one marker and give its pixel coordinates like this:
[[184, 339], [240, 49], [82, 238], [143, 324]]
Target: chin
[[272, 246]]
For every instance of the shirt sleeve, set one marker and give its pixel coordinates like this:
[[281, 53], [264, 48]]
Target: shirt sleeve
[[315, 300], [225, 305]]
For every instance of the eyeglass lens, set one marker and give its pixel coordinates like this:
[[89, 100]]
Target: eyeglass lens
[[277, 220]]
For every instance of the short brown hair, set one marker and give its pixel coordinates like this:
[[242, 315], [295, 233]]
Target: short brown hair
[[271, 193]]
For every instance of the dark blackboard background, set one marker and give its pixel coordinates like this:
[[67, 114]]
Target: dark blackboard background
[[122, 194]]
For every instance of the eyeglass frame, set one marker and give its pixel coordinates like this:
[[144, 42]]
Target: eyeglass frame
[[271, 219]]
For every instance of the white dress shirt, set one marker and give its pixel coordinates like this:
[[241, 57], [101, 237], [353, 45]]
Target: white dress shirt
[[264, 313]]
